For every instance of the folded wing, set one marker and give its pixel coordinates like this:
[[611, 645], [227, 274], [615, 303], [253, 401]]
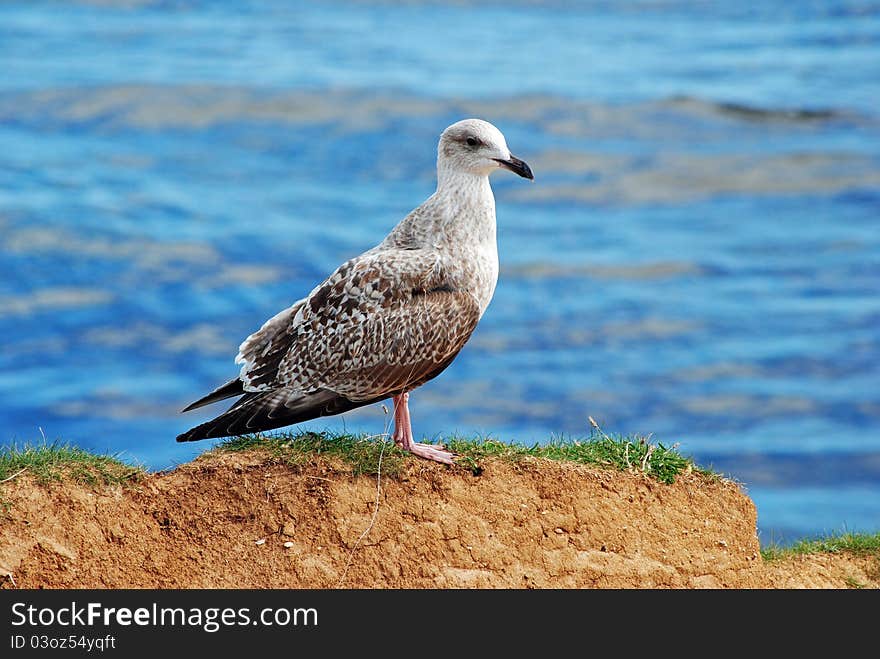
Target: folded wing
[[379, 326]]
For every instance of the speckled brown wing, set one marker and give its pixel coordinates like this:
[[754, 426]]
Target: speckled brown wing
[[380, 325], [411, 342]]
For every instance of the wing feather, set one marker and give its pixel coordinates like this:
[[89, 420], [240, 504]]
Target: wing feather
[[379, 325]]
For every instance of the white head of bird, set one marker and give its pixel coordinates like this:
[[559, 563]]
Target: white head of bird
[[473, 147]]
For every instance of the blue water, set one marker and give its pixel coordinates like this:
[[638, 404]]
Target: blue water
[[698, 259]]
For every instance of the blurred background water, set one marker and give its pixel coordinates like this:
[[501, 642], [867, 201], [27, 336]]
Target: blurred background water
[[698, 259]]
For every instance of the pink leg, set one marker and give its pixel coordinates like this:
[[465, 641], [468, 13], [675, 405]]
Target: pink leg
[[403, 436]]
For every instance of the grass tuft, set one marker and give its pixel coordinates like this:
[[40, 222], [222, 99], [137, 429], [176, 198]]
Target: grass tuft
[[362, 453], [860, 544], [53, 462], [634, 454]]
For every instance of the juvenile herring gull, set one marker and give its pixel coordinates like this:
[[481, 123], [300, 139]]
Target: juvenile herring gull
[[384, 322]]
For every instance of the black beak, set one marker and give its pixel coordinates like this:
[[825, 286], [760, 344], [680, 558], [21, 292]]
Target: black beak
[[517, 166]]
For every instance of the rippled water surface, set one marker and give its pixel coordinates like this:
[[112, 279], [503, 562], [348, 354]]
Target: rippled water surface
[[698, 258]]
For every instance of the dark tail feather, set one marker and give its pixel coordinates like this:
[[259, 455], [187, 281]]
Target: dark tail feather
[[232, 388], [258, 411]]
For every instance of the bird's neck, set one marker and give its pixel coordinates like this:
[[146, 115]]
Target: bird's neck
[[457, 222], [465, 207], [460, 213], [456, 182]]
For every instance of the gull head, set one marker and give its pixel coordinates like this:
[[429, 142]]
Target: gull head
[[474, 146]]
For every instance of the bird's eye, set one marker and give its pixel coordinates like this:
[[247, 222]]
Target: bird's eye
[[473, 141]]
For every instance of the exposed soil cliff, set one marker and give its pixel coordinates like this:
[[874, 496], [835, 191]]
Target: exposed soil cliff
[[238, 520]]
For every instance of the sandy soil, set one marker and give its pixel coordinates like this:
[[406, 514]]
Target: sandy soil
[[241, 521]]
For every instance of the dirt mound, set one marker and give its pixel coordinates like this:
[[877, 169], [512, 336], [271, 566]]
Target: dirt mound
[[238, 520]]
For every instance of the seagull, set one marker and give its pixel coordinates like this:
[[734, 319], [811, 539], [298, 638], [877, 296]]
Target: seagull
[[386, 321]]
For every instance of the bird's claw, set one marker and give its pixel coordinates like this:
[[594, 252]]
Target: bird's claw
[[433, 452]]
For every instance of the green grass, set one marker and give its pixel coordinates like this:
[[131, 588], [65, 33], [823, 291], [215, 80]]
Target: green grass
[[860, 544], [362, 453], [47, 462], [51, 462]]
